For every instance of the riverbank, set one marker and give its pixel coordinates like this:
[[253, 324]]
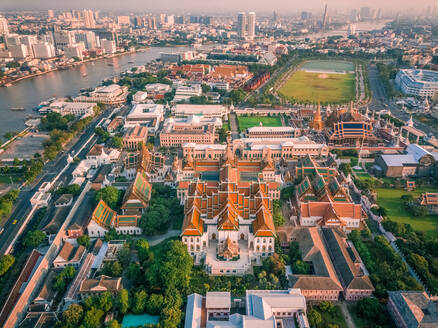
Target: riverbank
[[9, 83]]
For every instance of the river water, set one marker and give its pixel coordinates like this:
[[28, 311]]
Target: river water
[[30, 92]]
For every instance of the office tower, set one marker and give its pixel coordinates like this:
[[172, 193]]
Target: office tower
[[89, 19], [43, 50], [138, 21], [88, 38], [50, 13], [324, 18], [63, 38], [365, 13], [108, 46], [170, 20], [274, 16], [379, 14], [123, 20], [152, 23], [4, 29], [162, 19], [241, 24], [251, 25]]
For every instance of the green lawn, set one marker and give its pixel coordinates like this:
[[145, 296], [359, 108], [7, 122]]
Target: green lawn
[[364, 323], [312, 87], [389, 198], [6, 178], [250, 121]]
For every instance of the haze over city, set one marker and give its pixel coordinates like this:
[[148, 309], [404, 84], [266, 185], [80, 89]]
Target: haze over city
[[225, 6]]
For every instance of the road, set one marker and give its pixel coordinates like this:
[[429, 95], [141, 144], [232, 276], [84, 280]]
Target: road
[[380, 101], [50, 171]]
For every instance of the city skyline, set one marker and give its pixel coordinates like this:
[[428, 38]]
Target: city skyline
[[197, 6]]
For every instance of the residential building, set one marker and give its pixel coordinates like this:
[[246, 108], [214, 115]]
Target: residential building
[[4, 28], [63, 38], [264, 308], [108, 46], [412, 309], [43, 50], [19, 51], [95, 287], [208, 111], [251, 22], [75, 51], [134, 137], [145, 115], [242, 22]]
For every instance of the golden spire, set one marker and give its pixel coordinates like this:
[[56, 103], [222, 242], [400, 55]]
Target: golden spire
[[317, 123]]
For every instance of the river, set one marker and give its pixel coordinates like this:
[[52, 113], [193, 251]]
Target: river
[[30, 92]]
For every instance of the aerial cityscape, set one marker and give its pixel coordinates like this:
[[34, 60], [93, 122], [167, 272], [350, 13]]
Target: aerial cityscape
[[218, 165]]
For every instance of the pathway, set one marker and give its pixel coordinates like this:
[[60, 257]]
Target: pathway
[[347, 315], [155, 240], [234, 126]]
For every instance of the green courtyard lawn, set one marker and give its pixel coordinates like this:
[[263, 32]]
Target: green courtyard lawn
[[6, 178], [246, 122], [389, 198], [310, 87]]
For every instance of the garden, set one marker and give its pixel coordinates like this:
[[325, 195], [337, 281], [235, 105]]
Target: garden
[[246, 122]]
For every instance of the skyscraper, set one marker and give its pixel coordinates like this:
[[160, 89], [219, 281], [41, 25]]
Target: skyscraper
[[4, 29], [324, 18], [89, 19], [241, 24], [50, 13], [251, 25]]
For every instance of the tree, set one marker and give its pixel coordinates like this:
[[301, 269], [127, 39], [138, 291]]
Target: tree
[[368, 307], [314, 317], [72, 316], [205, 88], [92, 318], [155, 304], [123, 301], [106, 301], [142, 247], [84, 240], [6, 261], [34, 238], [346, 168], [112, 269], [113, 324], [109, 194], [124, 256], [300, 267], [326, 306], [274, 264], [139, 302]]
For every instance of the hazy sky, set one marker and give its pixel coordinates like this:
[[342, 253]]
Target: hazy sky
[[213, 5]]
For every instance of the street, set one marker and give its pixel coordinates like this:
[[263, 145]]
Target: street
[[50, 171]]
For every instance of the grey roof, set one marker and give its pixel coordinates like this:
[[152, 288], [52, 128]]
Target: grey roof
[[218, 300], [416, 308], [399, 160], [349, 275]]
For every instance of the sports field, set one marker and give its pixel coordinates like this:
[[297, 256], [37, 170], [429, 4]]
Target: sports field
[[250, 121], [328, 66], [311, 87], [389, 198]]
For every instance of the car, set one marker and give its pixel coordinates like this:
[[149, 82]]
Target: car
[[14, 222]]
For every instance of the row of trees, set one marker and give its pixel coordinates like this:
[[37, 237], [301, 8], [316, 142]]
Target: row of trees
[[7, 202]]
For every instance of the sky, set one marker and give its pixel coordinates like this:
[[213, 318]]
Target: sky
[[212, 6]]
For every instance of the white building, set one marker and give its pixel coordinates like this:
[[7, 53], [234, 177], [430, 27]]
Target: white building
[[149, 115], [417, 82], [43, 50], [77, 109], [185, 92], [108, 46], [4, 29], [113, 94], [264, 308], [75, 51], [208, 111], [139, 96], [19, 51], [63, 38]]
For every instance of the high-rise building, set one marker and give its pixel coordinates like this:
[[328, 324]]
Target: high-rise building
[[63, 38], [4, 28], [109, 46], [152, 23], [123, 20], [351, 29], [324, 19], [241, 24], [365, 13], [88, 38], [50, 13], [274, 16], [43, 50], [250, 28], [89, 19]]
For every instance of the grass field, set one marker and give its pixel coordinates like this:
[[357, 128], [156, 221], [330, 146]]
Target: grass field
[[389, 198], [5, 178], [328, 65], [307, 87], [250, 121]]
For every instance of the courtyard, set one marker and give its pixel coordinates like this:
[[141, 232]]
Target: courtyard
[[246, 122]]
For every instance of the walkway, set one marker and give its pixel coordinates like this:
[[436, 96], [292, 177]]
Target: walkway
[[347, 315], [234, 126], [155, 240]]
